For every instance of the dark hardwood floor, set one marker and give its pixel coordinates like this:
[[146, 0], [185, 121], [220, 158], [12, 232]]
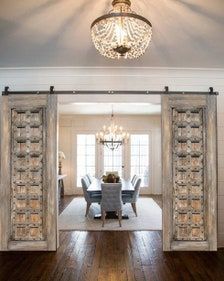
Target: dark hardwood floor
[[111, 256], [64, 202]]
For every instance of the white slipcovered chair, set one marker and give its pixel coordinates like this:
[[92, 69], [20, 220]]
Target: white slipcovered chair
[[132, 197], [111, 200], [90, 197]]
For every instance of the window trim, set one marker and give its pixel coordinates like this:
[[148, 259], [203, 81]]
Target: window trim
[[122, 160], [150, 158], [75, 155]]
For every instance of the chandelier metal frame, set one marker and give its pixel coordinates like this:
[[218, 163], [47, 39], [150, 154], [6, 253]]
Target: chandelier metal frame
[[112, 136], [114, 15], [121, 32]]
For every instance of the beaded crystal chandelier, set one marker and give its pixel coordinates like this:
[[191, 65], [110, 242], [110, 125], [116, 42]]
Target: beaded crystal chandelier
[[121, 32], [112, 136]]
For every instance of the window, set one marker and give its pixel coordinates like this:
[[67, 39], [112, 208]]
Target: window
[[113, 160], [140, 158], [85, 156]]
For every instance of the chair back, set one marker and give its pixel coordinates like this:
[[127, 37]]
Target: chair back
[[89, 178], [85, 185], [137, 189], [133, 179], [111, 197]]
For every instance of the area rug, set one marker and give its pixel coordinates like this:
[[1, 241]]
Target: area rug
[[149, 217]]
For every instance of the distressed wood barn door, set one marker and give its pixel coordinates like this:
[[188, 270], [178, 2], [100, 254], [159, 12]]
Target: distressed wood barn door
[[28, 194], [189, 159]]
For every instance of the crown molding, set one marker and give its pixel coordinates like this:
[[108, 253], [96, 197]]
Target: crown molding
[[103, 71], [112, 78], [113, 67]]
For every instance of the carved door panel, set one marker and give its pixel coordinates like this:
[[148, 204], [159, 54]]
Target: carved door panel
[[28, 173], [189, 172]]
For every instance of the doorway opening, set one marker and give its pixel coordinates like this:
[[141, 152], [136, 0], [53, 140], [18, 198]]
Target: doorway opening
[[189, 149], [80, 118]]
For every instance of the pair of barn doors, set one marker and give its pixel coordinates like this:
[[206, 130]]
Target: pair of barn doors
[[29, 193]]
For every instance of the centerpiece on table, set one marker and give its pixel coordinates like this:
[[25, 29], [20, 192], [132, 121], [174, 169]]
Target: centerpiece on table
[[111, 178]]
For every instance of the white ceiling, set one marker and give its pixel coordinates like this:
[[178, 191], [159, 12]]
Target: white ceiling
[[106, 108], [186, 33]]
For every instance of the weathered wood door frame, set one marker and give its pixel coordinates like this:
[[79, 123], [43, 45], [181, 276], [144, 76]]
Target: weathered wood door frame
[[197, 227], [40, 214], [49, 104]]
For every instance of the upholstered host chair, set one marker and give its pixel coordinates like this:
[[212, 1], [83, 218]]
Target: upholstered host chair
[[111, 200], [133, 197], [90, 197]]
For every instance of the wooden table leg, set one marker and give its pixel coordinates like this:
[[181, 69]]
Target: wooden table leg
[[61, 187]]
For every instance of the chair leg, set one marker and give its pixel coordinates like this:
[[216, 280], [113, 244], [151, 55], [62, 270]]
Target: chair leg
[[120, 217], [103, 217], [134, 208], [87, 209]]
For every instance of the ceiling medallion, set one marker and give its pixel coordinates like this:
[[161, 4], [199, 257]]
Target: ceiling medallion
[[121, 32]]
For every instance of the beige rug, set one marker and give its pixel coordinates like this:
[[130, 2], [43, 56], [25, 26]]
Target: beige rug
[[149, 217]]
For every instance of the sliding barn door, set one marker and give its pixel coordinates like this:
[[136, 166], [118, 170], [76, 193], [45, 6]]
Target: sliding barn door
[[189, 172], [28, 194]]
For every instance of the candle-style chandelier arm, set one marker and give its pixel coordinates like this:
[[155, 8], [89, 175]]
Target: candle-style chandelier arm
[[112, 136]]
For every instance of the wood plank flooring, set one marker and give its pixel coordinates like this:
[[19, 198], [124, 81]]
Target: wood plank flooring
[[111, 256], [64, 202], [107, 256]]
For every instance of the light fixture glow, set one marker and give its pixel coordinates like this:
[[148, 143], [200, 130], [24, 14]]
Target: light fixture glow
[[112, 136], [121, 32]]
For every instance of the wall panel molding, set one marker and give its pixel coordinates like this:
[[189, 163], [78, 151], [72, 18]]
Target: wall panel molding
[[103, 78]]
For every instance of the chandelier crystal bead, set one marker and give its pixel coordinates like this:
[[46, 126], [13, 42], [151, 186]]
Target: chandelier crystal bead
[[121, 32]]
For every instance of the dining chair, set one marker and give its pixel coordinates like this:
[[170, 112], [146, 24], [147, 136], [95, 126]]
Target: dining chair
[[111, 200], [133, 197], [90, 197], [133, 179], [90, 179], [87, 180]]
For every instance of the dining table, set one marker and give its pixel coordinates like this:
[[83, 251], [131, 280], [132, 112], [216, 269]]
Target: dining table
[[126, 187]]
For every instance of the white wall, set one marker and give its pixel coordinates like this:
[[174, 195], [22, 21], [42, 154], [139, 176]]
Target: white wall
[[129, 79], [71, 125]]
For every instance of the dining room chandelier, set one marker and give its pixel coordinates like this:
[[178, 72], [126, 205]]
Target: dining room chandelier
[[121, 32], [112, 136]]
